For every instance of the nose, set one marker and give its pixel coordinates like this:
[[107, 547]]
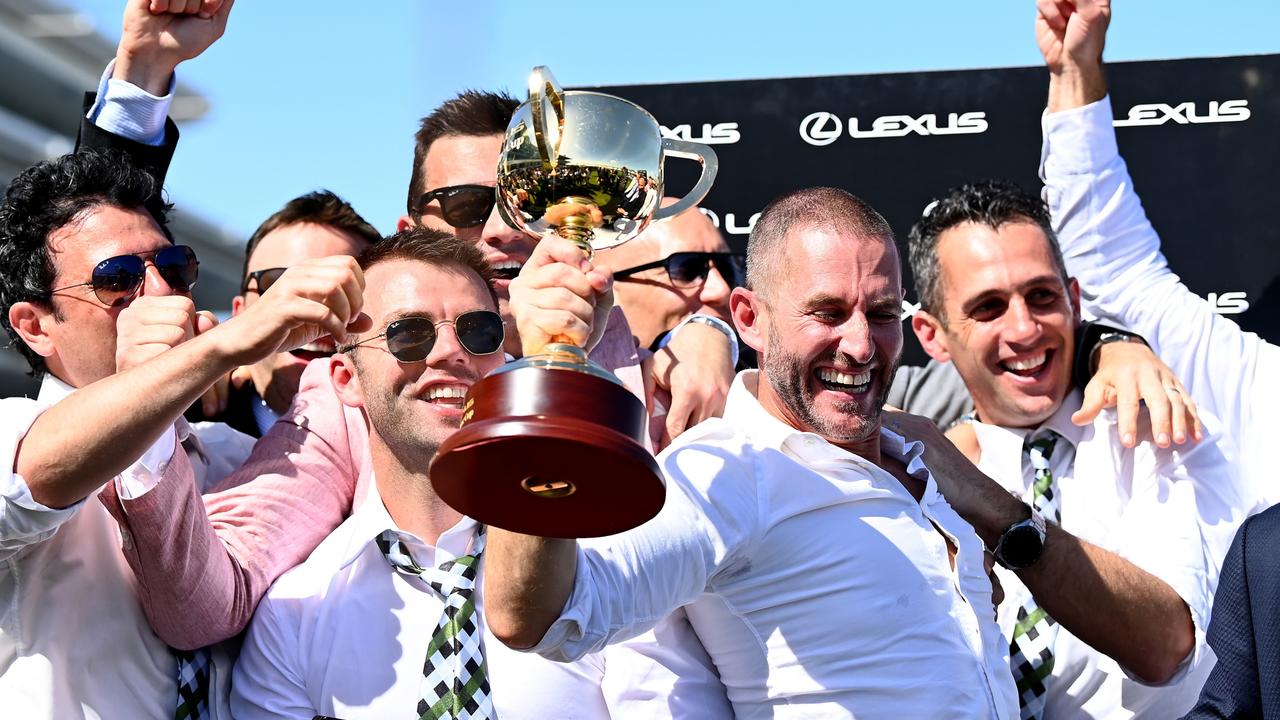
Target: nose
[[447, 350], [497, 233], [154, 284], [855, 339], [1022, 326], [715, 292]]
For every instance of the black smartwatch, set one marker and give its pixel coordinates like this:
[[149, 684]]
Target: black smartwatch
[[1021, 543], [1090, 337]]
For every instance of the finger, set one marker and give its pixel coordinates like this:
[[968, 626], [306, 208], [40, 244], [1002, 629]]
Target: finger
[[220, 17], [556, 249], [1052, 13], [241, 375], [1094, 400], [1159, 407], [561, 325], [1193, 410], [1177, 414], [558, 275], [159, 6], [209, 8], [1127, 408], [205, 321], [677, 419], [360, 323]]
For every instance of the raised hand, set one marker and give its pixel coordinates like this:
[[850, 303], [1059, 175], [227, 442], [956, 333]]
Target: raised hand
[[696, 368], [157, 35], [152, 324], [560, 297], [310, 300], [1072, 32]]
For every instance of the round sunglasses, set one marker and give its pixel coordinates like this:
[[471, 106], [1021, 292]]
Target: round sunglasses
[[411, 339], [690, 269], [462, 206], [116, 280]]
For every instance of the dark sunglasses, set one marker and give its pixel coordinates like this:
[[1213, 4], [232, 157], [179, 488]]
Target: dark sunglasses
[[263, 280], [689, 269], [462, 206], [115, 281], [411, 339]]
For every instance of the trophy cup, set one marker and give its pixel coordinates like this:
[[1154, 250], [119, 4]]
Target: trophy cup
[[552, 445]]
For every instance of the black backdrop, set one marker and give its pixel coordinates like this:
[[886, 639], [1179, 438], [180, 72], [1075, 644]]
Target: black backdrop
[[1204, 154]]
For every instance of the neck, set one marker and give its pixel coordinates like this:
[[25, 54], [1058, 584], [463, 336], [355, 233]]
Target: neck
[[407, 493]]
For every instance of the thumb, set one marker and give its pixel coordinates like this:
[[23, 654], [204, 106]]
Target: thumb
[[1094, 401], [360, 323], [205, 321]]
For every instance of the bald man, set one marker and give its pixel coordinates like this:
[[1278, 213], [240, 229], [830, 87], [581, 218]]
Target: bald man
[[675, 269]]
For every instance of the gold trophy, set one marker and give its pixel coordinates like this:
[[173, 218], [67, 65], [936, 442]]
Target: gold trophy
[[552, 445]]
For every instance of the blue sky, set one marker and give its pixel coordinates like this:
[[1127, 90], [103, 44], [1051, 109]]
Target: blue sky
[[328, 94]]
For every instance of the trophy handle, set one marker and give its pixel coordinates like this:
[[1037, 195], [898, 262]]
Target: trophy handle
[[706, 157], [544, 89]]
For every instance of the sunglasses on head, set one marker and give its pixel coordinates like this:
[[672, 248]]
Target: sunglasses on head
[[262, 279], [411, 339], [116, 280], [462, 206], [689, 269]]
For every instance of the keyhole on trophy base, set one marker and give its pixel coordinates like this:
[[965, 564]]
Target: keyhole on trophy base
[[547, 487]]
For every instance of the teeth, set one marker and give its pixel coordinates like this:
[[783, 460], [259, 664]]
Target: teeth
[[841, 378], [446, 391], [1029, 364], [508, 265]]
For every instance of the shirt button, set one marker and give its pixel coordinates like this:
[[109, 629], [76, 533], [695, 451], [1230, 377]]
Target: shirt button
[[126, 540]]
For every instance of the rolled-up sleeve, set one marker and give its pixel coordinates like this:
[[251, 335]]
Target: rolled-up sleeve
[[23, 520]]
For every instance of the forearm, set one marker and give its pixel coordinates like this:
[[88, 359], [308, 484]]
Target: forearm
[[117, 419], [527, 583], [1076, 85]]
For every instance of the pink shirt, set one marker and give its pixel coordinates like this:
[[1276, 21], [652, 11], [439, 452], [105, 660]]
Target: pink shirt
[[199, 580]]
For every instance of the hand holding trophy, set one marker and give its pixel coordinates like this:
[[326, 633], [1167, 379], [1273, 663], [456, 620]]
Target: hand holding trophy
[[552, 445]]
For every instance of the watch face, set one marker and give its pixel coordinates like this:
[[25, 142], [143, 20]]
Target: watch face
[[1022, 546]]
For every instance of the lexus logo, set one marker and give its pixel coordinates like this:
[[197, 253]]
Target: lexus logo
[[823, 128], [820, 128]]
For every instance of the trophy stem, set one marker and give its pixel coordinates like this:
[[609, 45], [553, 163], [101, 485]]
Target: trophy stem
[[578, 226]]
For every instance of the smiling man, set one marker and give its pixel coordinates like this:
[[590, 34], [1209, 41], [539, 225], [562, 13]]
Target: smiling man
[[997, 302]]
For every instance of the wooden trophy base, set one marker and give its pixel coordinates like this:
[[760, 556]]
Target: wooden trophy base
[[552, 452]]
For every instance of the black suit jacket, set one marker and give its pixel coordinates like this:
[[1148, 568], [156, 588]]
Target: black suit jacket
[[1245, 629], [152, 158], [239, 412]]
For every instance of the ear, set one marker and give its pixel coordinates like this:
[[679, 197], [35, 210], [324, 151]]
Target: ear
[[404, 223], [345, 379], [31, 322], [1073, 293], [930, 333], [745, 309], [237, 305]]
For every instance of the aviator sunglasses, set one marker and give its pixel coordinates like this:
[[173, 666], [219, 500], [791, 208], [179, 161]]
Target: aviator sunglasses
[[462, 206], [411, 339], [116, 280], [689, 269]]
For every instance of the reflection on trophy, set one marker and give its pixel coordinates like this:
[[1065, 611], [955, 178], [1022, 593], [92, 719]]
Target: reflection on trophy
[[551, 444]]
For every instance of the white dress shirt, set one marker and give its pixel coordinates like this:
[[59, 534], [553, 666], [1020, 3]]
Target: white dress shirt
[[819, 585], [73, 639], [346, 635], [1139, 503], [1111, 248]]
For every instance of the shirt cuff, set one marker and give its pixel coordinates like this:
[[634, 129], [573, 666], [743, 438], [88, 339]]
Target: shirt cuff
[[143, 475], [1077, 141], [127, 110]]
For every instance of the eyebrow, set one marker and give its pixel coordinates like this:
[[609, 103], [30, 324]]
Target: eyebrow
[[876, 303], [1047, 279]]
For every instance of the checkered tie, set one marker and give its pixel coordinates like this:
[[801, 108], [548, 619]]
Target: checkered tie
[[193, 684], [1031, 650], [455, 681]]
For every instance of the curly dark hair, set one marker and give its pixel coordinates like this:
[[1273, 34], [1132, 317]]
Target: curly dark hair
[[46, 197], [992, 203]]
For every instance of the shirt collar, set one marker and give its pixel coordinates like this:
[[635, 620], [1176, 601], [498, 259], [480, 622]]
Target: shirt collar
[[371, 519], [995, 438]]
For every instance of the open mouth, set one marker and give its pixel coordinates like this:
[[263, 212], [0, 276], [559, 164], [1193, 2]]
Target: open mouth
[[446, 395], [1030, 366], [840, 381], [507, 269], [308, 354]]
